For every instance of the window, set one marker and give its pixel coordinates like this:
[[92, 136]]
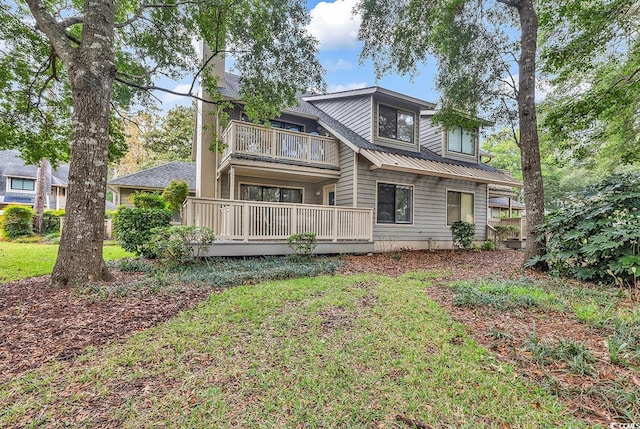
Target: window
[[395, 124], [462, 141], [459, 207], [279, 124], [22, 184], [270, 193], [395, 203]]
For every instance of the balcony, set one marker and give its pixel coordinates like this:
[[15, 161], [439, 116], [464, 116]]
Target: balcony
[[248, 139]]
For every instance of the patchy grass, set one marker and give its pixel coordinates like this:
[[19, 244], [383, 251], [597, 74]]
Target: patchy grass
[[23, 260], [359, 351]]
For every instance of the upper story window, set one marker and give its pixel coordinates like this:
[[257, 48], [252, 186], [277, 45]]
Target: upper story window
[[461, 141], [279, 124], [395, 203], [17, 184], [395, 123]]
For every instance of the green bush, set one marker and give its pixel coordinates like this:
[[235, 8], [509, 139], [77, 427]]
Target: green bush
[[179, 244], [132, 227], [504, 231], [488, 245], [596, 234], [463, 234], [17, 221], [148, 200], [303, 244], [174, 194], [51, 221]]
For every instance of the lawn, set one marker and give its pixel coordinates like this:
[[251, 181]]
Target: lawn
[[22, 260], [335, 351]]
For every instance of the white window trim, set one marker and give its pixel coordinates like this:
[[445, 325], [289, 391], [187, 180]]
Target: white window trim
[[416, 124], [269, 185], [9, 189], [446, 203], [413, 204]]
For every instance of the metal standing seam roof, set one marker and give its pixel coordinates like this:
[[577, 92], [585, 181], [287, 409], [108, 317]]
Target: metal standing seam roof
[[397, 162]]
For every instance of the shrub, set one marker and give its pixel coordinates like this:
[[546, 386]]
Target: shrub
[[179, 244], [488, 245], [17, 221], [51, 221], [146, 200], [132, 227], [504, 231], [463, 234], [596, 234], [303, 244], [174, 194]]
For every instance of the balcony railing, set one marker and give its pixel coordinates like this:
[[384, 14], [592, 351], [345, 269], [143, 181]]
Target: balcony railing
[[519, 222], [253, 220], [250, 139]]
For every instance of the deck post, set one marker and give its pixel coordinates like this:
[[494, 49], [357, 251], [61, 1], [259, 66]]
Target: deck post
[[334, 227], [294, 220], [245, 221]]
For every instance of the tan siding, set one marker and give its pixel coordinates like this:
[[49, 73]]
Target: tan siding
[[355, 113], [429, 197], [344, 186]]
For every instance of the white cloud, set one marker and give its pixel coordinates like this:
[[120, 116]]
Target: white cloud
[[169, 100], [334, 24], [346, 87], [341, 64]]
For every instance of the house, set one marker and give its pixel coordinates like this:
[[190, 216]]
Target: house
[[18, 182], [365, 169], [153, 179]]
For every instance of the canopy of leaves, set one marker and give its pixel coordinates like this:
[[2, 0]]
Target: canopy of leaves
[[591, 50], [154, 40], [596, 234], [171, 139]]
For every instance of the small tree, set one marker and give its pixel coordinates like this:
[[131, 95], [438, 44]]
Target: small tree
[[132, 227], [174, 194], [463, 234], [148, 200], [17, 221]]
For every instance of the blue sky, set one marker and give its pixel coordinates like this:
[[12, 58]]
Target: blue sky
[[333, 24]]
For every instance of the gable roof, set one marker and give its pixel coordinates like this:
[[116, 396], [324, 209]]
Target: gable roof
[[12, 165], [159, 177]]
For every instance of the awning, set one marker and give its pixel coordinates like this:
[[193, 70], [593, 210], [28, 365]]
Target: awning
[[391, 161]]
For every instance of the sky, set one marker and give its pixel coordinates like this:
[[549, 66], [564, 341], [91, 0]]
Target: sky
[[335, 27]]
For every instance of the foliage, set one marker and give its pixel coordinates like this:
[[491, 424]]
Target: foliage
[[504, 295], [179, 244], [172, 138], [303, 244], [24, 260], [17, 221], [504, 231], [51, 221], [504, 146], [591, 51], [132, 227], [148, 200], [597, 233], [488, 246], [175, 193], [463, 234]]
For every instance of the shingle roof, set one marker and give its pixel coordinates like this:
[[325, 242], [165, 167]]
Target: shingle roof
[[504, 202], [12, 165], [159, 177]]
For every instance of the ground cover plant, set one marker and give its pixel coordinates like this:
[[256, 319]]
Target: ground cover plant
[[356, 351], [22, 260], [605, 367]]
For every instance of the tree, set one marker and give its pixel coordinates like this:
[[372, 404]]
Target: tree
[[108, 54], [172, 139], [175, 193], [592, 52], [475, 53]]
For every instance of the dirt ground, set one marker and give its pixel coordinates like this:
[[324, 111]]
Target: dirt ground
[[39, 324]]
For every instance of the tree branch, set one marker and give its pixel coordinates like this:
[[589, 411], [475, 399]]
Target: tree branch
[[48, 25], [138, 13], [71, 21], [511, 3], [159, 88]]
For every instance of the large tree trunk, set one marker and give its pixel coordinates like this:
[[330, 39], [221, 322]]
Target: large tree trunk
[[91, 74], [41, 190], [529, 145]]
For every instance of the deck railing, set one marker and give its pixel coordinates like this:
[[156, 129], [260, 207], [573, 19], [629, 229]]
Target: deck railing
[[276, 143], [520, 222], [253, 220]]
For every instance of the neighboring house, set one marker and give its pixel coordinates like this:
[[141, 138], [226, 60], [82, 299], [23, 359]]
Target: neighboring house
[[365, 170], [505, 207], [18, 182], [153, 179]]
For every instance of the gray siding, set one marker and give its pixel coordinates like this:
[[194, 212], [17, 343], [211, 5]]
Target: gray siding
[[354, 113], [430, 135], [344, 186], [429, 204]]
